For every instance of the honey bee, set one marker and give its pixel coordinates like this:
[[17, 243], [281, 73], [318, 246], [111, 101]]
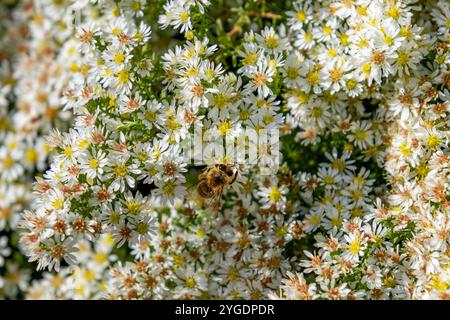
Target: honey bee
[[214, 180]]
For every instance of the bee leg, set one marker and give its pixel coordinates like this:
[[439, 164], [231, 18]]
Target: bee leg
[[204, 190], [216, 205], [219, 191], [235, 176]]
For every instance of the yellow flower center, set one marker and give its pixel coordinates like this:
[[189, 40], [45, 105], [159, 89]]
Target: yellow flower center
[[313, 77], [327, 30], [8, 162], [133, 207], [393, 13], [301, 16], [135, 6], [250, 59], [150, 116], [114, 217], [220, 100], [433, 142], [120, 170], [336, 221], [338, 164], [275, 195], [403, 58], [31, 155], [259, 79], [100, 257], [191, 283], [58, 204], [422, 170], [351, 84], [123, 76], [335, 74], [272, 42], [354, 247], [328, 180], [119, 58], [141, 228], [68, 151], [362, 11], [224, 127], [308, 37], [388, 40], [292, 73], [360, 134], [184, 17], [93, 163]]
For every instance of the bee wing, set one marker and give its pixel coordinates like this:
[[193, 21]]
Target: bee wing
[[192, 193], [213, 203], [197, 201]]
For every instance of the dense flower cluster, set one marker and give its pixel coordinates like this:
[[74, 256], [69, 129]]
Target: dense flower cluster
[[104, 94], [88, 280], [372, 75], [31, 77], [38, 61]]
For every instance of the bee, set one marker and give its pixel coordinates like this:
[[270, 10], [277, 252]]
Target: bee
[[214, 180]]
